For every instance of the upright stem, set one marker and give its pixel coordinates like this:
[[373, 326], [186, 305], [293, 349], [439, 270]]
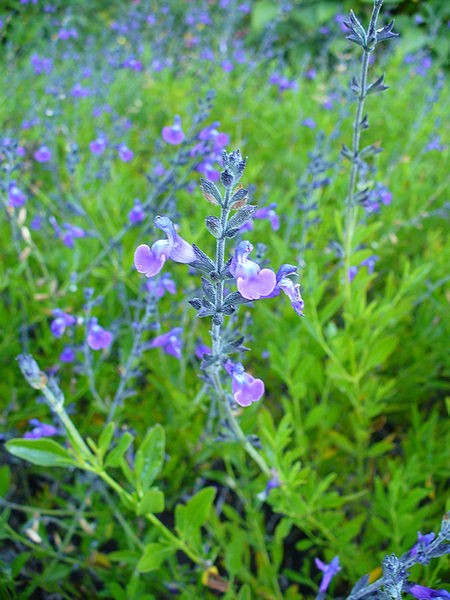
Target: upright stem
[[351, 210], [216, 334]]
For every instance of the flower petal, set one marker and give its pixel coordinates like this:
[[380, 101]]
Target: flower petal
[[147, 261], [257, 286]]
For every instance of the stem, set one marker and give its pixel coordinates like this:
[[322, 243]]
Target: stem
[[351, 211], [216, 334]]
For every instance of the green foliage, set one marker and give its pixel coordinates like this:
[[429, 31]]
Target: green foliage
[[353, 419]]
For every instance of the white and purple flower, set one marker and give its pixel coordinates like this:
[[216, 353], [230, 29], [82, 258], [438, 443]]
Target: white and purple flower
[[151, 260]]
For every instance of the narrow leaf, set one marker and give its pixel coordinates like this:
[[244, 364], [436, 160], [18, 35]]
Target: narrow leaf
[[42, 452]]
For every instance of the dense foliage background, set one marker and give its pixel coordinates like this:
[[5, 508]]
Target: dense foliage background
[[353, 420]]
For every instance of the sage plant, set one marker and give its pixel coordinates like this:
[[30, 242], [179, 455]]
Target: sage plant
[[217, 302], [367, 40]]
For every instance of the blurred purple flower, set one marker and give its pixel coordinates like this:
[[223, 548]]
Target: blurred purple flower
[[136, 214], [98, 338], [435, 144], [15, 195], [252, 281], [151, 260], [79, 91], [246, 389], [425, 593], [170, 342], [377, 196], [352, 272], [61, 322], [309, 122], [202, 350], [369, 263], [40, 430], [98, 146], [41, 65], [329, 571], [266, 212], [227, 65], [66, 34], [174, 134], [158, 287], [43, 154], [125, 154], [67, 355]]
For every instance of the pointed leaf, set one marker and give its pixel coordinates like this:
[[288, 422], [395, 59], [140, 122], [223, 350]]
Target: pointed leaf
[[151, 502], [42, 452], [153, 557], [115, 456]]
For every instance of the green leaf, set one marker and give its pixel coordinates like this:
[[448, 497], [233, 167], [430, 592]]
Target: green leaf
[[379, 351], [189, 518], [151, 502], [115, 456], [42, 452], [150, 457], [5, 480], [105, 439], [153, 557]]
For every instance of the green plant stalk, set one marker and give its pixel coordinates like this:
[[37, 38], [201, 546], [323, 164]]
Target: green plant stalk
[[87, 461], [351, 210], [216, 335]]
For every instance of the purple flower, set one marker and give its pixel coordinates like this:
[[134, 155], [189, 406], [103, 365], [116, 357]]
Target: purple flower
[[309, 122], [246, 389], [125, 154], [43, 154], [70, 233], [352, 272], [40, 430], [78, 91], [170, 342], [252, 281], [173, 135], [369, 263], [151, 260], [158, 287], [227, 65], [435, 144], [291, 289], [425, 593], [98, 338], [61, 321], [98, 146], [268, 212], [67, 355], [202, 350], [15, 195], [41, 65], [136, 214], [329, 571]]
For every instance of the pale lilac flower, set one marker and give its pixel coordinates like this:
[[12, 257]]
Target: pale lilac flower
[[170, 342], [352, 272], [151, 260], [291, 289], [43, 154], [159, 170], [136, 214], [15, 195], [99, 145], [173, 135], [70, 233], [61, 322], [125, 154], [252, 281], [435, 144], [246, 389], [329, 571], [40, 430], [370, 263], [98, 338]]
